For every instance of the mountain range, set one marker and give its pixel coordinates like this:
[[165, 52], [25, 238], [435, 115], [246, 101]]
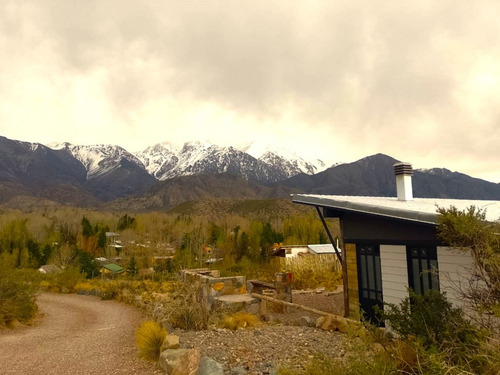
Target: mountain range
[[163, 176]]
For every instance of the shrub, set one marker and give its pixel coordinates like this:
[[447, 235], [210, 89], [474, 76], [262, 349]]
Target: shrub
[[184, 309], [18, 292], [149, 339], [240, 320]]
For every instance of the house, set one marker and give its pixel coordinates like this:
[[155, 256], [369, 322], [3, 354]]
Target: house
[[291, 251], [49, 268], [391, 244], [111, 269]]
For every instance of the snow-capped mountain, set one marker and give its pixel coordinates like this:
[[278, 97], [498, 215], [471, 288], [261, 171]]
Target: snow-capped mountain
[[159, 159], [255, 162], [203, 157], [99, 159], [291, 163]]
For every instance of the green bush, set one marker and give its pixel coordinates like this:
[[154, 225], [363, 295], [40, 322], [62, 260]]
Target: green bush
[[18, 292]]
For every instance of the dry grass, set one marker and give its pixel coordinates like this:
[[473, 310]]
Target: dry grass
[[149, 339], [312, 271], [240, 320]]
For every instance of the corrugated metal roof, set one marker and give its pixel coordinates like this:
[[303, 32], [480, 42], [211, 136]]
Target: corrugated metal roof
[[323, 249], [114, 268], [419, 209]]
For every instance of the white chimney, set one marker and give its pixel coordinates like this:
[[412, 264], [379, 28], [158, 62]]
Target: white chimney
[[403, 172]]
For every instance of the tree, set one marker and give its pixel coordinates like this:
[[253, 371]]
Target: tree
[[87, 229], [468, 230], [132, 266]]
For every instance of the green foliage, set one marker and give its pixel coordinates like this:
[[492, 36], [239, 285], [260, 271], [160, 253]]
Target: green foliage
[[132, 266], [431, 318], [149, 338], [18, 292], [468, 230], [438, 333], [87, 229], [64, 281], [87, 264], [126, 222]]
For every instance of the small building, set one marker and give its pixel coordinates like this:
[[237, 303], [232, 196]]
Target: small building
[[391, 244], [49, 268], [291, 251], [111, 269]]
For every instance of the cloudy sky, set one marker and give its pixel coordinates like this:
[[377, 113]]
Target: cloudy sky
[[339, 80]]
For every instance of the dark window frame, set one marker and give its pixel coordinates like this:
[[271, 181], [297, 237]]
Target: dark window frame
[[423, 269]]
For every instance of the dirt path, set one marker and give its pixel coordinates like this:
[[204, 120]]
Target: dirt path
[[75, 335]]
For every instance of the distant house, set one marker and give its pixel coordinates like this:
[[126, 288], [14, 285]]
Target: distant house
[[111, 269], [391, 244], [291, 251], [49, 268]]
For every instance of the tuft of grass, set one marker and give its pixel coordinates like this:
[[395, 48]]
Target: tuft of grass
[[149, 338], [240, 320]]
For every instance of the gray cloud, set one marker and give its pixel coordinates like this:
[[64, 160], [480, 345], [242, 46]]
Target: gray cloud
[[394, 77]]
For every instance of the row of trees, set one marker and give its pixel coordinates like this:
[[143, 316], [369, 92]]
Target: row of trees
[[77, 237]]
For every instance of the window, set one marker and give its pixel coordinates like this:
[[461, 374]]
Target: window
[[422, 269]]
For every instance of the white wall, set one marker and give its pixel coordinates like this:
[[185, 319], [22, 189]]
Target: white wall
[[394, 273], [454, 272]]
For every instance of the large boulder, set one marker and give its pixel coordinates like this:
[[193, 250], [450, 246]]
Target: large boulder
[[210, 367], [180, 361]]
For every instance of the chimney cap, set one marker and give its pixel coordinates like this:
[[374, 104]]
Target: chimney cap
[[403, 168]]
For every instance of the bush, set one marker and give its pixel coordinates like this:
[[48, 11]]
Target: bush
[[149, 339], [184, 309], [441, 339], [432, 319], [240, 320], [18, 292]]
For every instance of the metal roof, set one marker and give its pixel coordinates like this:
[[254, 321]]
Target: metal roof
[[114, 268], [422, 210], [322, 249]]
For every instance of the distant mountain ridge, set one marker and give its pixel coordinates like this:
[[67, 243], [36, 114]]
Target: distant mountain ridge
[[94, 175]]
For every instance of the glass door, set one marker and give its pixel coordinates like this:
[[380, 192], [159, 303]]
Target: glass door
[[369, 280]]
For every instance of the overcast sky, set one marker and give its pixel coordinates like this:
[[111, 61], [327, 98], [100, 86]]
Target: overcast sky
[[339, 80]]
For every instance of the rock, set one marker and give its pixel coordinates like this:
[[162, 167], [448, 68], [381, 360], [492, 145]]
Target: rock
[[180, 361], [238, 371], [167, 326], [171, 342], [305, 321], [320, 290], [332, 323], [210, 367]]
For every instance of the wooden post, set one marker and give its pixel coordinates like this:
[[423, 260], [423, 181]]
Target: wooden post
[[345, 280]]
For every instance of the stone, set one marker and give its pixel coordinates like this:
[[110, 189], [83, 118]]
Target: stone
[[171, 342], [238, 371], [180, 361], [305, 321], [210, 367], [167, 326], [320, 290]]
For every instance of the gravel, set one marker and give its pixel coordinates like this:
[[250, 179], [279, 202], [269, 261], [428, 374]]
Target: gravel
[[282, 342], [75, 335]]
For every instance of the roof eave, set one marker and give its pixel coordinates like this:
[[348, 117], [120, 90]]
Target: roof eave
[[347, 206]]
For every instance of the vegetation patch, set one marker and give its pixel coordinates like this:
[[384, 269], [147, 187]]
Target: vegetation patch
[[149, 338]]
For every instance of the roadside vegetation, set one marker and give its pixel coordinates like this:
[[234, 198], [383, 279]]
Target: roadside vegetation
[[433, 337], [156, 245]]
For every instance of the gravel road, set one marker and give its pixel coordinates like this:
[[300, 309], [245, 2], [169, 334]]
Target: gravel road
[[75, 335]]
